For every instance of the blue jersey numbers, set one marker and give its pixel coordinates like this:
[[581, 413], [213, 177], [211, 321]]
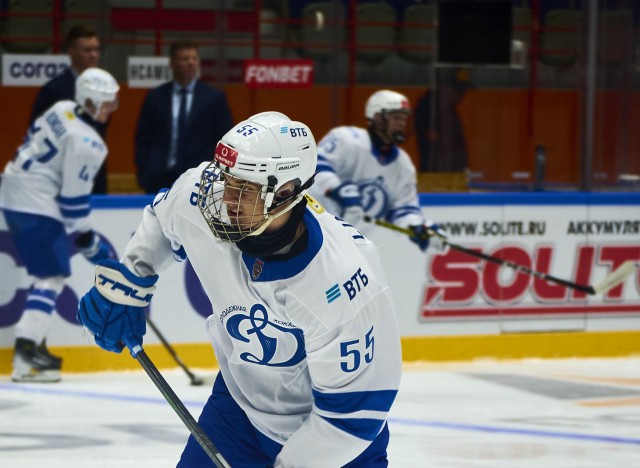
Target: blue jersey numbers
[[354, 352], [44, 157]]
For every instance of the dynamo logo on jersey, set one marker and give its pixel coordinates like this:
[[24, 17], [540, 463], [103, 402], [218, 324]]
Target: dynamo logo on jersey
[[375, 197], [273, 343]]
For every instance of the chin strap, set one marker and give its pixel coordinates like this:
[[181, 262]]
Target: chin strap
[[266, 244]]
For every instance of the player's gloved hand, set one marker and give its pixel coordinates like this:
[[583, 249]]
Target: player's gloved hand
[[347, 196], [438, 237], [114, 309], [94, 248], [429, 234]]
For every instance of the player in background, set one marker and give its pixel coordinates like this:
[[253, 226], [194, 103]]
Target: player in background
[[303, 324], [364, 171], [44, 196]]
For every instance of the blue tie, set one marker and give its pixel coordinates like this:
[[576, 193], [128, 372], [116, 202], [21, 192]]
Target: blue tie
[[182, 124]]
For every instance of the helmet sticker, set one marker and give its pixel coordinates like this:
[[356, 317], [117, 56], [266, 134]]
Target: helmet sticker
[[226, 155], [285, 167]]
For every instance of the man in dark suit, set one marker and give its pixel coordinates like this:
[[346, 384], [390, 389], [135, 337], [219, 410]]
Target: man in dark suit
[[83, 48], [180, 122]]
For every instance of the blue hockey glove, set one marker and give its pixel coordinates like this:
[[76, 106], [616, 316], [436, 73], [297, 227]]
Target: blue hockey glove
[[114, 309], [347, 196], [420, 236], [429, 234], [94, 248]]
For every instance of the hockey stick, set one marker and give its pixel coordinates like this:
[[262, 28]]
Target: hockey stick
[[614, 278], [154, 374], [195, 380]]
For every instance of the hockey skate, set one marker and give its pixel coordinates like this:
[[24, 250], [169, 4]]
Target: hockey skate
[[42, 347], [32, 364]]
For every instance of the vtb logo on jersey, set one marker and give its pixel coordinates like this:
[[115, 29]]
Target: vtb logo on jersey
[[269, 343]]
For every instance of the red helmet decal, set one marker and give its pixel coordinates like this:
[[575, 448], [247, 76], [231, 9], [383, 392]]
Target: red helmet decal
[[405, 104], [226, 155]]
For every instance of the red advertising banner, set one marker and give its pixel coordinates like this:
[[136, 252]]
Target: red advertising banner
[[278, 73]]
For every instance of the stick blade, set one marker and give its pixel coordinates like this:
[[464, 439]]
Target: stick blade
[[615, 277]]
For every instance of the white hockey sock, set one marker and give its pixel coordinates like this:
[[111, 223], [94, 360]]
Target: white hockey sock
[[35, 320]]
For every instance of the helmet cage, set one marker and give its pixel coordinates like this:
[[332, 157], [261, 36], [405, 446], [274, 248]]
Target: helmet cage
[[261, 167], [232, 225]]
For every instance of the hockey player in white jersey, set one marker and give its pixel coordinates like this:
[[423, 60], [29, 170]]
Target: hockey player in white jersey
[[364, 171], [303, 324], [44, 196]]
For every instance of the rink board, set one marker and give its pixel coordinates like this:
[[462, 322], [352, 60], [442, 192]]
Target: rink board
[[449, 305]]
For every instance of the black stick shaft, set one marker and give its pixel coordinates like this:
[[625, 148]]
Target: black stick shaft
[[172, 352], [152, 371], [521, 268]]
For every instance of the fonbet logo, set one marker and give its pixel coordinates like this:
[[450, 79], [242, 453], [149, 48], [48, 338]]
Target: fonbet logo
[[283, 73]]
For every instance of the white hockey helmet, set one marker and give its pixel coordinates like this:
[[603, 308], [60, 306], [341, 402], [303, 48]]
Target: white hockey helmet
[[97, 85], [268, 149], [386, 101]]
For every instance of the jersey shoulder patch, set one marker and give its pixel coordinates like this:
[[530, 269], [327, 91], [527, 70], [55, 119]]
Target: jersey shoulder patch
[[314, 204]]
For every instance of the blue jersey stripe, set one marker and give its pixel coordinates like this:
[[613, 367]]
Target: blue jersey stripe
[[43, 293], [349, 402], [70, 201], [367, 429], [75, 213], [180, 253], [403, 210], [324, 168], [35, 304]]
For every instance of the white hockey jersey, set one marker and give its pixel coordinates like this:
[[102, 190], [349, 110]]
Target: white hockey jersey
[[309, 346], [52, 173], [387, 184]]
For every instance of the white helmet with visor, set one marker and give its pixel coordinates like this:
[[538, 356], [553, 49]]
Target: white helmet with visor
[[259, 166]]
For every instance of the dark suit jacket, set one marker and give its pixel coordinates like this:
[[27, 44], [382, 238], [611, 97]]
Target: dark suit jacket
[[61, 88], [208, 120]]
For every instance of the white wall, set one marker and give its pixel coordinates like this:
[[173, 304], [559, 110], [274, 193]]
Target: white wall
[[465, 295]]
